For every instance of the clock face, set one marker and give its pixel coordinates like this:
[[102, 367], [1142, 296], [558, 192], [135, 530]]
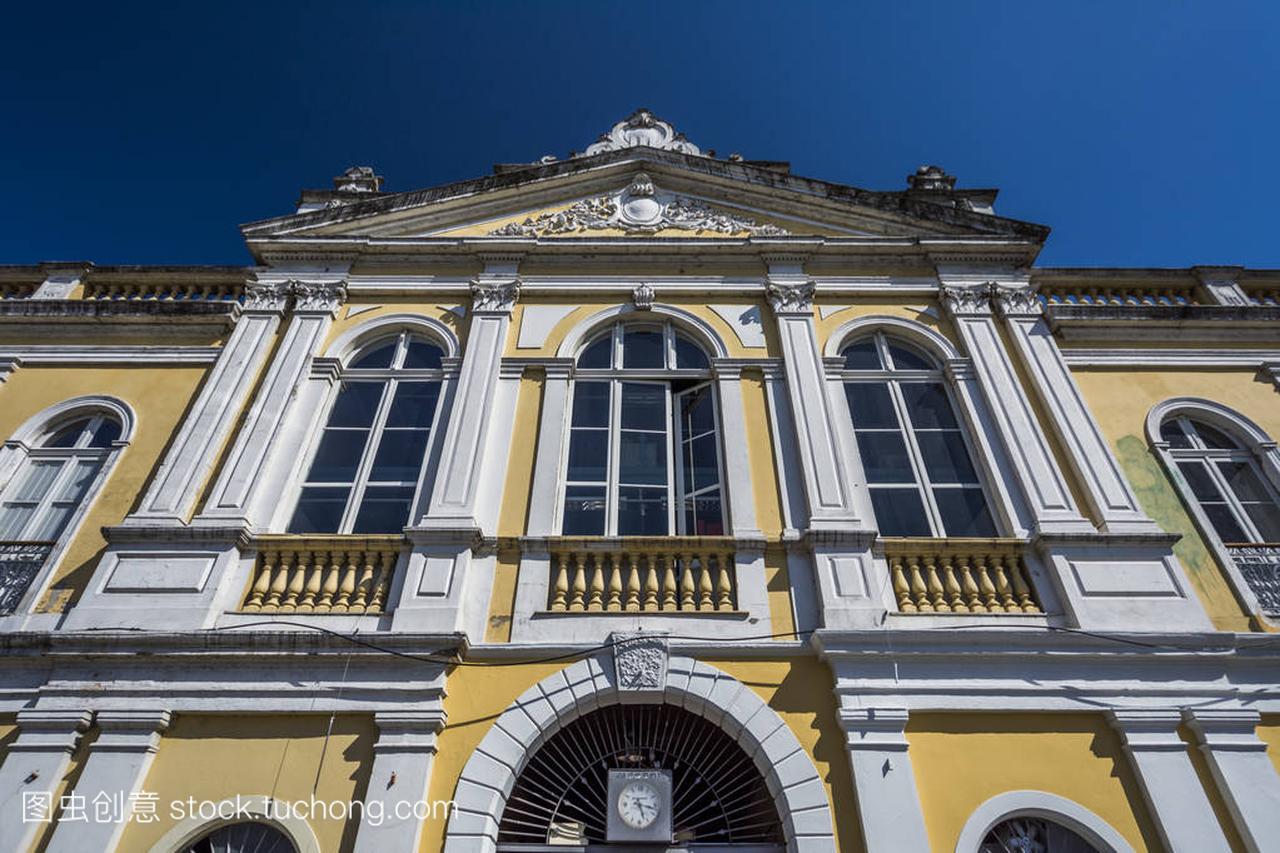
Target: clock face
[[638, 805]]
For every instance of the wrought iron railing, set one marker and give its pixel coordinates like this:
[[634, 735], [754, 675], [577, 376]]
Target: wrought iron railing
[[1259, 563], [322, 574], [20, 562], [642, 575], [960, 576]]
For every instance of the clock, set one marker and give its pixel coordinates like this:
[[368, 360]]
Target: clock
[[639, 805]]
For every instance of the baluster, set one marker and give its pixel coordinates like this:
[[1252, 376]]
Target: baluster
[[615, 585], [330, 588], [360, 601], [560, 586], [985, 586], [280, 582], [901, 589], [651, 583], [669, 599], [297, 580], [633, 584], [314, 578], [705, 601], [261, 583], [1017, 572], [1003, 589], [973, 602], [936, 596], [686, 586], [952, 586], [919, 592], [596, 603], [724, 588], [347, 585], [577, 598], [378, 599]]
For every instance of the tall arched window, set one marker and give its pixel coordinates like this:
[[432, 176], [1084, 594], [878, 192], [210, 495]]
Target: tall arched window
[[644, 446], [1224, 479], [1033, 835], [53, 480], [914, 451], [243, 837], [365, 471]]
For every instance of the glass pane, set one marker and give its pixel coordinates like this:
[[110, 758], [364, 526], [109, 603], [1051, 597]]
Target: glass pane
[[338, 456], [583, 511], [642, 512], [644, 406], [1244, 481], [862, 355], [319, 510], [422, 356], [591, 404], [74, 488], [1225, 523], [588, 455], [14, 517], [1214, 438], [68, 435], [946, 459], [54, 520], [356, 405], [107, 432], [870, 405], [899, 512], [384, 509], [689, 356], [400, 455], [414, 404], [643, 348], [700, 463], [599, 353], [703, 515], [884, 457], [1265, 517], [964, 512], [642, 458], [1202, 485], [377, 357], [928, 406], [36, 481], [906, 357], [1171, 431], [698, 410]]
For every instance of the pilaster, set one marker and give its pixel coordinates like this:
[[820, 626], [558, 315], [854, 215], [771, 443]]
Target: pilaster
[[32, 771], [399, 779], [1245, 776], [113, 772], [552, 427], [1221, 286], [1178, 802], [888, 802], [737, 462]]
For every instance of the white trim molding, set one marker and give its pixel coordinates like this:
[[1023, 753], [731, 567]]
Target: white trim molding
[[695, 325], [357, 336], [109, 354], [256, 807], [1041, 804], [902, 327]]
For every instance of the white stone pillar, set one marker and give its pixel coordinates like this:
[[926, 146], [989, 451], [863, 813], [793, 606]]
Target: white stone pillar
[[968, 301], [1110, 497], [552, 445], [234, 495], [1178, 802], [888, 802], [33, 770], [115, 769], [1245, 776], [172, 492], [399, 779]]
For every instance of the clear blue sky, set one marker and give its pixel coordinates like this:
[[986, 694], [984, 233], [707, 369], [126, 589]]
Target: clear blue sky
[[1143, 133]]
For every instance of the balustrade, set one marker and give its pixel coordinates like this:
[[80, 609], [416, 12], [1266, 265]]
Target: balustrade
[[643, 575], [1265, 296], [322, 574], [15, 290], [1056, 294], [159, 292], [960, 576]]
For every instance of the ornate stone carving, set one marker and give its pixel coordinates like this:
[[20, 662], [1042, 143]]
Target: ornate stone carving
[[967, 298], [931, 179], [358, 179], [265, 295], [494, 295], [642, 128], [317, 295], [790, 298], [643, 297], [640, 208], [640, 661], [1016, 299]]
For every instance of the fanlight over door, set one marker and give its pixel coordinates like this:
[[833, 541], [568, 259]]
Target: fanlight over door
[[245, 837]]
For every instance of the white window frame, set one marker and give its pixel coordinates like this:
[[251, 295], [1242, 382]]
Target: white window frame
[[390, 377], [894, 378], [617, 376], [69, 457]]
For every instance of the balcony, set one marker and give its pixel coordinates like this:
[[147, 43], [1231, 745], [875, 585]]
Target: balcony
[[322, 574], [960, 576], [20, 562], [667, 574], [1259, 563]]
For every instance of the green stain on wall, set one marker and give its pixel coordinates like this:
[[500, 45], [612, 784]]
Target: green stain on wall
[[1160, 500]]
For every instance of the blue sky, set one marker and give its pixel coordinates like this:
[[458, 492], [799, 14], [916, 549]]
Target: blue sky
[[1144, 134]]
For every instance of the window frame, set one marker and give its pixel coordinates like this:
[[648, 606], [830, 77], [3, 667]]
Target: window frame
[[894, 378], [390, 378], [618, 374]]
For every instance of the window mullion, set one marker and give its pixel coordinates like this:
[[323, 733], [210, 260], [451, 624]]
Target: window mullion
[[360, 480], [672, 448], [1232, 500], [615, 447], [917, 459], [45, 501]]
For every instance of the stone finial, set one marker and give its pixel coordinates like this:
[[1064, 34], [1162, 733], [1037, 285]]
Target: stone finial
[[642, 128], [358, 179], [931, 179]]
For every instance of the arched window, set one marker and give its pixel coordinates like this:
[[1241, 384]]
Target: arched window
[[915, 453], [644, 445], [1033, 835], [54, 478], [1225, 481], [365, 471], [243, 837]]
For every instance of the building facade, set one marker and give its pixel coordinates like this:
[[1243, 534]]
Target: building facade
[[639, 499]]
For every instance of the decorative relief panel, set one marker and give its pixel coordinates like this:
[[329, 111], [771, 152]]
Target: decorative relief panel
[[642, 128], [640, 661]]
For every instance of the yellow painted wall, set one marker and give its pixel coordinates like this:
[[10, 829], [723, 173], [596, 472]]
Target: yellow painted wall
[[356, 313], [212, 757], [1120, 401], [906, 308], [1269, 731], [159, 395], [962, 760]]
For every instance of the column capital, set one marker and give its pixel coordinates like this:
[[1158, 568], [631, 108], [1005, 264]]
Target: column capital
[[320, 296], [50, 731], [967, 298], [494, 295], [130, 730], [408, 731], [1017, 300], [1148, 730], [789, 296], [874, 728], [1231, 729], [265, 297]]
